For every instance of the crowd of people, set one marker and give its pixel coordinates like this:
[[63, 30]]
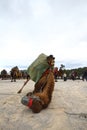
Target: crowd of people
[[73, 75]]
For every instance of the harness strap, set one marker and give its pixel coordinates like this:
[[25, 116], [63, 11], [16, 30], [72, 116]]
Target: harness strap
[[30, 102], [47, 72], [33, 97]]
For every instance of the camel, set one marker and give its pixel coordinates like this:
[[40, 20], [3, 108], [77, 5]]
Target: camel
[[41, 96], [4, 74], [15, 73], [58, 73]]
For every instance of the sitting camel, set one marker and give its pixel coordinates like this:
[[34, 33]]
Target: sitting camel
[[43, 89]]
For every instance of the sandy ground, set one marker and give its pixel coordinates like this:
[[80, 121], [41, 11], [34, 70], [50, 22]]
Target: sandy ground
[[67, 111]]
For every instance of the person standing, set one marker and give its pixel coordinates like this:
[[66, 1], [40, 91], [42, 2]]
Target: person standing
[[65, 76]]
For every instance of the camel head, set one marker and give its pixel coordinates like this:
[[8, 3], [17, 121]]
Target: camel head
[[51, 60]]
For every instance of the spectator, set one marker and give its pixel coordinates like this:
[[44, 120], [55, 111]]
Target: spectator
[[65, 76]]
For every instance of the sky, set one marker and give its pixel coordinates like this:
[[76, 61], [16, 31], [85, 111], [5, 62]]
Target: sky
[[31, 27]]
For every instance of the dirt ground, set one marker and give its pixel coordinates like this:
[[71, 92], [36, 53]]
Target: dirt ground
[[67, 111]]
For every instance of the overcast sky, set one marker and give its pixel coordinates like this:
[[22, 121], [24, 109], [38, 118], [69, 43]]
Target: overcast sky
[[31, 27]]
